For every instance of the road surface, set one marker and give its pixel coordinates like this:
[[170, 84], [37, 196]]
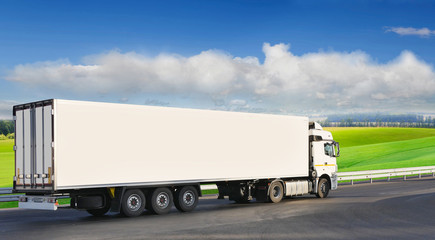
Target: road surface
[[383, 210]]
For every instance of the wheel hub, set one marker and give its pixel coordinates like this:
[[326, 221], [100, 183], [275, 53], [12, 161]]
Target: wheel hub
[[276, 191], [134, 202], [162, 200], [188, 198]]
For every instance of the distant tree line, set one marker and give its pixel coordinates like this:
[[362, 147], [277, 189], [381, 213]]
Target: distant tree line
[[6, 129], [379, 120]]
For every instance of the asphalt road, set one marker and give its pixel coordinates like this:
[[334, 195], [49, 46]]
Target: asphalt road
[[383, 210]]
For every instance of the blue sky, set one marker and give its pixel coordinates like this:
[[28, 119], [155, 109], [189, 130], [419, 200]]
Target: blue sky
[[141, 37]]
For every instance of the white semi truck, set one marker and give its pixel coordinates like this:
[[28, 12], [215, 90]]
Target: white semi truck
[[125, 158]]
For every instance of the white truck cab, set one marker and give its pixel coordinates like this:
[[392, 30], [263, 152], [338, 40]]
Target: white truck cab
[[324, 151]]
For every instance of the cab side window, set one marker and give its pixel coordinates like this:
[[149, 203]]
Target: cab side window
[[329, 150]]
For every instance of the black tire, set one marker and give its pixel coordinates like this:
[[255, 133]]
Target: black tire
[[276, 192], [186, 199], [161, 201], [323, 188], [133, 203]]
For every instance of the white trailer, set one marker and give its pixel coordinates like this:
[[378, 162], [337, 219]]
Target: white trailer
[[126, 158]]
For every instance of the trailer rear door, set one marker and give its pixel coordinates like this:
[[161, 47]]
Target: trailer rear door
[[33, 146]]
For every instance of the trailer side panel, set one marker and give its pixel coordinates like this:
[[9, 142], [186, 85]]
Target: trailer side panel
[[102, 144]]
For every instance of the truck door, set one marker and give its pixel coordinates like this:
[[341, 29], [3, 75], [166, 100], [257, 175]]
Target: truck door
[[323, 153], [33, 146]]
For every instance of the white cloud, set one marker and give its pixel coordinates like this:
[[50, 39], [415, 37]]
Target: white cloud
[[238, 102], [422, 32], [319, 81], [320, 95], [6, 109]]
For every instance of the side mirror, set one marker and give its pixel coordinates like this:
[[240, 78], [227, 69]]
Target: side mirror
[[337, 147]]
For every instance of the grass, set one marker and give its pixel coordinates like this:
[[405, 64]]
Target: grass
[[383, 148], [357, 136], [6, 163], [210, 191], [8, 204]]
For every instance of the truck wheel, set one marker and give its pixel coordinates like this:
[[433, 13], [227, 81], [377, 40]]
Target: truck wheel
[[186, 199], [276, 192], [161, 201], [133, 203], [322, 188]]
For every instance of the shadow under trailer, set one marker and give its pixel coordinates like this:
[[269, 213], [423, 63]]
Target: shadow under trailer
[[127, 158]]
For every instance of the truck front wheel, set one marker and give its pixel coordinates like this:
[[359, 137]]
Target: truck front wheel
[[276, 192], [323, 188], [161, 201], [133, 203], [186, 199]]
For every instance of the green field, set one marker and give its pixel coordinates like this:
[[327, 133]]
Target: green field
[[383, 148], [6, 163]]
